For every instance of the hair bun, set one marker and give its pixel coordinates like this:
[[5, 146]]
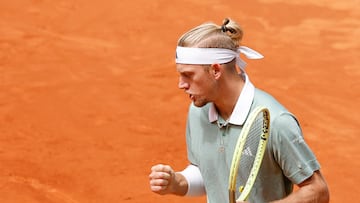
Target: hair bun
[[226, 29]]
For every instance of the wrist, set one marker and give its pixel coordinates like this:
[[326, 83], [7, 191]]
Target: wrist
[[194, 181], [180, 185]]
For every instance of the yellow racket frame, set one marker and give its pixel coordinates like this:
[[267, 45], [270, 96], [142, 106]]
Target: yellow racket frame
[[245, 189]]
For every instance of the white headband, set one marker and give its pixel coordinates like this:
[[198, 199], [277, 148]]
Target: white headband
[[208, 56]]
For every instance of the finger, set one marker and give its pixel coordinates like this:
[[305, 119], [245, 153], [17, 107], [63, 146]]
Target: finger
[[161, 167], [159, 182], [159, 175], [157, 167], [157, 188]]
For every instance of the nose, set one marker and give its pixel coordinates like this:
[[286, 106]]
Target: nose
[[182, 84]]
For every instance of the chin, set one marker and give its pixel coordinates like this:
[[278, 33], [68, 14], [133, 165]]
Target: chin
[[199, 103]]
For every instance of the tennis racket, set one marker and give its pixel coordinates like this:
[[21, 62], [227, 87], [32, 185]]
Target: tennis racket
[[248, 154]]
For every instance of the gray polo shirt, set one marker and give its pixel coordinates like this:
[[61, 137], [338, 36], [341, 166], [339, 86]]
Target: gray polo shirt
[[288, 160]]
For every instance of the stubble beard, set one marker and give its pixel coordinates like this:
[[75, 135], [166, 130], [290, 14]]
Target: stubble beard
[[199, 102]]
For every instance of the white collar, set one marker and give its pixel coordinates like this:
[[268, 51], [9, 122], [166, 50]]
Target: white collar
[[242, 107]]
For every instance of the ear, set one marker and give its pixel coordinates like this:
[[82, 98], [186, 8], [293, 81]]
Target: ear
[[216, 70]]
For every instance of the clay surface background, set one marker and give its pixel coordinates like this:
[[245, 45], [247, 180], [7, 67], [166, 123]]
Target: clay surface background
[[89, 98]]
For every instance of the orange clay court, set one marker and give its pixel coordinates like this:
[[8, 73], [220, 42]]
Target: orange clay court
[[89, 99]]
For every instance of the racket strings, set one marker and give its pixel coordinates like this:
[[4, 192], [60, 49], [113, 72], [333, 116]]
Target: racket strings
[[249, 151]]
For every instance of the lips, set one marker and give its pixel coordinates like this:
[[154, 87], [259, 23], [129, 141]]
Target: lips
[[191, 97]]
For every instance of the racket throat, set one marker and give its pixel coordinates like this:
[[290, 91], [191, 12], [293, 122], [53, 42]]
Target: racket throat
[[232, 198]]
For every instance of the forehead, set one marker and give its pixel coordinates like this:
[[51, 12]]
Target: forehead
[[181, 68]]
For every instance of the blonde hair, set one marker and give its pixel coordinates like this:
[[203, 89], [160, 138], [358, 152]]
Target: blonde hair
[[210, 35]]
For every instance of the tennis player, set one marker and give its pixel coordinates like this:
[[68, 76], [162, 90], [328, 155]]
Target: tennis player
[[212, 73]]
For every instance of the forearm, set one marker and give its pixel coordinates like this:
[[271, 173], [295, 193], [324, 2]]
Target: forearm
[[305, 196], [313, 190], [180, 185]]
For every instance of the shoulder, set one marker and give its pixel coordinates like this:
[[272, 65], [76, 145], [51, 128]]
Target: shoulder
[[283, 122], [263, 98], [277, 110]]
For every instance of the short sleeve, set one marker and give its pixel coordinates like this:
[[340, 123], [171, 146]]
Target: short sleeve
[[290, 150]]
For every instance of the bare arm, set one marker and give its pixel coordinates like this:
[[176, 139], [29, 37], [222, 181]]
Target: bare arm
[[163, 180], [312, 190]]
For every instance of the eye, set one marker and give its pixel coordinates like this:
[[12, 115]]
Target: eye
[[186, 74]]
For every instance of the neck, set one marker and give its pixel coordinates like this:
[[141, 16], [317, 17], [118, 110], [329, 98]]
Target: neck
[[228, 96]]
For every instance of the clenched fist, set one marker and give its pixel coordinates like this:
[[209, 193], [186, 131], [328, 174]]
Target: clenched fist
[[164, 180]]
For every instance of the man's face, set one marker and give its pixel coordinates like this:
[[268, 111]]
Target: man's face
[[196, 81]]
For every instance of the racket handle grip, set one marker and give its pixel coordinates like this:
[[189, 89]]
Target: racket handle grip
[[232, 196]]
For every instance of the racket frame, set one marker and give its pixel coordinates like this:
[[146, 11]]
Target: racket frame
[[246, 189]]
